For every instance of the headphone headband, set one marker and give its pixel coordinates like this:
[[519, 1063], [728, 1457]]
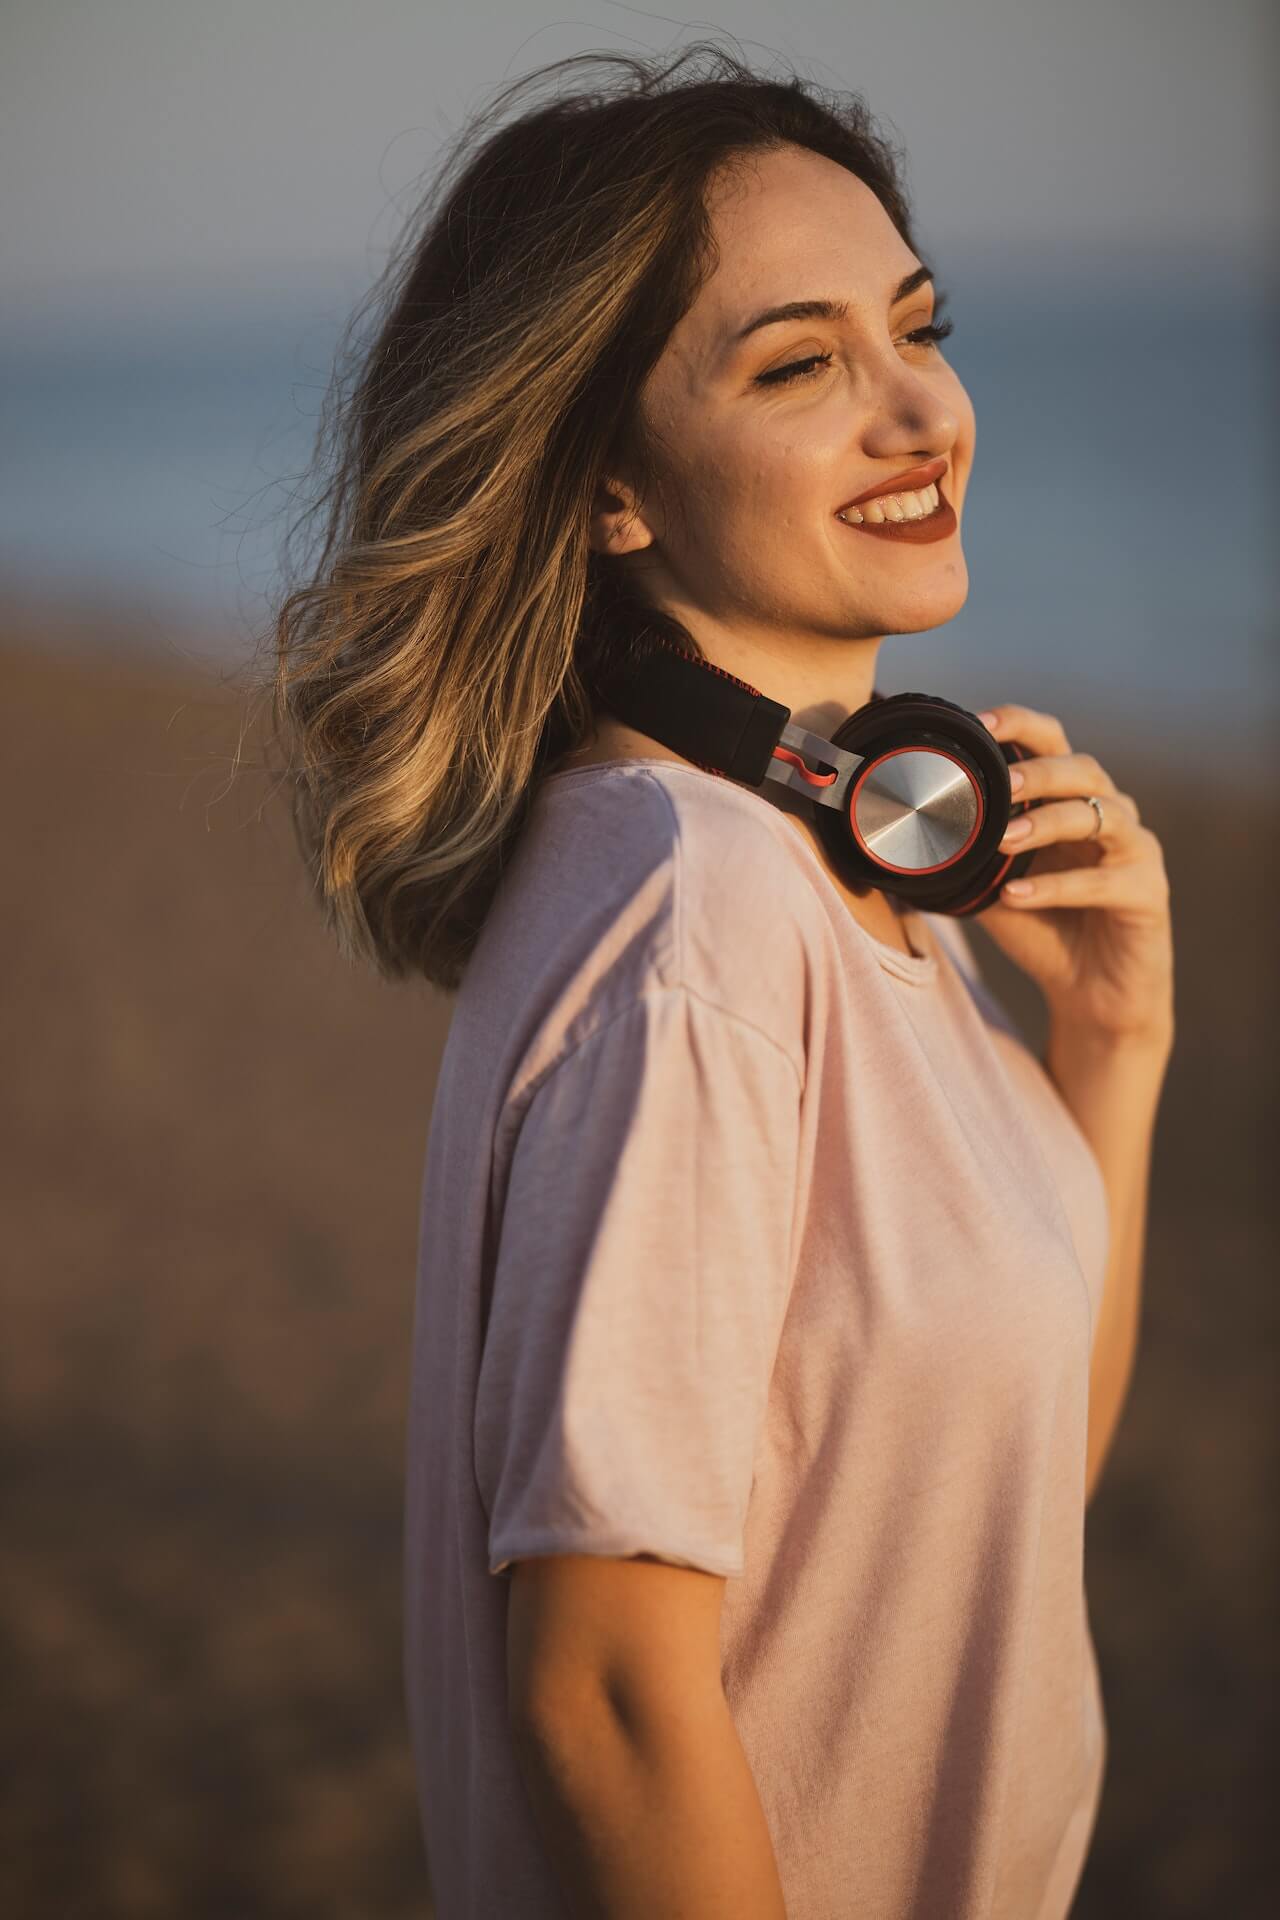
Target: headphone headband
[[917, 797], [697, 710]]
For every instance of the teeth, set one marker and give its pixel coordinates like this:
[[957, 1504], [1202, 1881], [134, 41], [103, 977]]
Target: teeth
[[894, 506]]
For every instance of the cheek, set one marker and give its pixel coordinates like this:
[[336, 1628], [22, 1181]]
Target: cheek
[[742, 470], [746, 489], [745, 516], [770, 479]]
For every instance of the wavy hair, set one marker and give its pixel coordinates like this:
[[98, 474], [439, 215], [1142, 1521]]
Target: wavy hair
[[440, 655]]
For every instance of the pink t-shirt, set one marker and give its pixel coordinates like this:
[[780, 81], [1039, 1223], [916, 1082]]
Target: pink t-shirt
[[753, 1243]]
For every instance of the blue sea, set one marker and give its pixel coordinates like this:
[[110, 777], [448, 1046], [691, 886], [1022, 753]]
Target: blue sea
[[1119, 525]]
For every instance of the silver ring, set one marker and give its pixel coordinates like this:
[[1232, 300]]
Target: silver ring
[[1096, 804]]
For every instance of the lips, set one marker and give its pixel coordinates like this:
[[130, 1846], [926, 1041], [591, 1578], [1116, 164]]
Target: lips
[[913, 481], [938, 525]]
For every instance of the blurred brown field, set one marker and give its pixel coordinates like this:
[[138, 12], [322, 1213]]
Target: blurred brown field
[[212, 1156]]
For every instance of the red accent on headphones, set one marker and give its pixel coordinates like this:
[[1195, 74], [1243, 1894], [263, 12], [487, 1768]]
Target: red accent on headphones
[[814, 779]]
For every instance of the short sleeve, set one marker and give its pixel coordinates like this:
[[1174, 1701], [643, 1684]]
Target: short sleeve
[[643, 1267]]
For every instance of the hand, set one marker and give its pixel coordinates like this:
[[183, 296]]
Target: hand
[[1093, 929]]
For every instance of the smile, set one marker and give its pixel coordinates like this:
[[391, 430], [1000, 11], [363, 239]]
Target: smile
[[894, 506], [914, 517]]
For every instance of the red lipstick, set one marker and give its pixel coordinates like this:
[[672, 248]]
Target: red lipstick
[[938, 525], [912, 482]]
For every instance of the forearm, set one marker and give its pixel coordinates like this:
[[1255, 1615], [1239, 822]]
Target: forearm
[[1113, 1089], [651, 1811]]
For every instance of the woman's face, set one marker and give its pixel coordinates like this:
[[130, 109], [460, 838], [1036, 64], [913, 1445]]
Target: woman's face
[[753, 469]]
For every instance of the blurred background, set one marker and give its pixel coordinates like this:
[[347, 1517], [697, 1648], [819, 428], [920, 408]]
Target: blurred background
[[214, 1127]]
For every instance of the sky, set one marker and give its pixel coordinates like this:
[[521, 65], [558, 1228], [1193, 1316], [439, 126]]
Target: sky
[[161, 153], [196, 197]]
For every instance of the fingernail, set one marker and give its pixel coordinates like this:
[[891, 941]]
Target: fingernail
[[989, 720], [1016, 778], [1017, 887]]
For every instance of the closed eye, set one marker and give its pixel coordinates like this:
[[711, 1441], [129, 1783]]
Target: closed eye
[[928, 336]]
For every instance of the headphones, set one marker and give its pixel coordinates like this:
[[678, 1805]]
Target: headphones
[[910, 795]]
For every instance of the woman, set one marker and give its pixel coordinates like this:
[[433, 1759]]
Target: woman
[[776, 1305]]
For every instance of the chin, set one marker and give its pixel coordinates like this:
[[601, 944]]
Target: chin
[[905, 613]]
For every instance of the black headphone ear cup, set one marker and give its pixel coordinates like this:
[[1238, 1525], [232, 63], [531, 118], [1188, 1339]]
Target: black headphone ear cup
[[980, 889], [926, 721]]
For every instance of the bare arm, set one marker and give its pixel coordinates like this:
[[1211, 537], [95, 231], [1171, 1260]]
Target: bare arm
[[1097, 939], [635, 1773], [1113, 1088]]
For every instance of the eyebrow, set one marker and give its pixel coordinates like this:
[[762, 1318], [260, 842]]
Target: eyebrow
[[827, 309]]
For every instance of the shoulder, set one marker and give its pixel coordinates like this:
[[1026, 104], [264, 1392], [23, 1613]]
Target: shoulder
[[634, 879], [740, 900], [751, 927]]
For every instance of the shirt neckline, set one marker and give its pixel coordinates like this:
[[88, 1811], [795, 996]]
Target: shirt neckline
[[916, 968]]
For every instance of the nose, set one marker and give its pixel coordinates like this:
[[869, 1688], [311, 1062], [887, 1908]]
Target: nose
[[911, 419]]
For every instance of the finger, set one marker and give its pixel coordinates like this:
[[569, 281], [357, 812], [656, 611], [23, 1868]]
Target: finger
[[1074, 819], [1061, 774], [1107, 884], [1038, 732]]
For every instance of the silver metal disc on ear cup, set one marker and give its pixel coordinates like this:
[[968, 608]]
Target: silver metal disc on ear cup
[[915, 809]]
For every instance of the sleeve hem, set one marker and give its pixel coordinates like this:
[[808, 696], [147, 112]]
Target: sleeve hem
[[720, 1561]]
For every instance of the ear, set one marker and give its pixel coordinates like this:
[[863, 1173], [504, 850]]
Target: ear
[[617, 525]]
